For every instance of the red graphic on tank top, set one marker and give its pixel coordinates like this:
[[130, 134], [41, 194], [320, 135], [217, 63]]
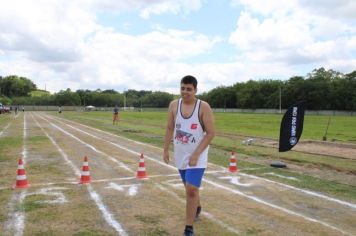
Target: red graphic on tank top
[[194, 126], [182, 137]]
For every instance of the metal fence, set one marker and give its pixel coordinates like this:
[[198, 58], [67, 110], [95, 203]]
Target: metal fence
[[150, 109]]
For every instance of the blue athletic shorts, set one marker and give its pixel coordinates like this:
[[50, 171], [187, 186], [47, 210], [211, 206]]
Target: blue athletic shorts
[[192, 176]]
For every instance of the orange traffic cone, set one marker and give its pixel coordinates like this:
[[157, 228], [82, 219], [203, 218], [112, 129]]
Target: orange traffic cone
[[85, 178], [233, 166], [21, 180], [141, 172]]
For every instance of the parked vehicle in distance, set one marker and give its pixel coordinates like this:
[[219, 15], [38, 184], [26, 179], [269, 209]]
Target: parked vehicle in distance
[[4, 109]]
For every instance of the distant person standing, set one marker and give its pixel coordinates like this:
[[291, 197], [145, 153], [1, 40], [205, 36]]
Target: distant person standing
[[23, 109], [16, 110], [115, 118], [59, 109]]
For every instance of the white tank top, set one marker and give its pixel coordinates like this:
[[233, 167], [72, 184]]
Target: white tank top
[[188, 133]]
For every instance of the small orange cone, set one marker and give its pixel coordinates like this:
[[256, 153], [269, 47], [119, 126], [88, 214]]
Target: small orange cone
[[21, 180], [85, 178], [233, 166], [141, 172]]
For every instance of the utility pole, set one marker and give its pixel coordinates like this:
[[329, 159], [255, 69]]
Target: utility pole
[[125, 99], [280, 100]]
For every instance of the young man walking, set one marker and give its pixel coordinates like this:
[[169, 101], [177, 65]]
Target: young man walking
[[191, 125]]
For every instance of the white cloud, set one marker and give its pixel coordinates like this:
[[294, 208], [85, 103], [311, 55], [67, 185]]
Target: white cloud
[[291, 33], [61, 43], [331, 8], [146, 8], [267, 8], [170, 6], [270, 34], [44, 30], [122, 59]]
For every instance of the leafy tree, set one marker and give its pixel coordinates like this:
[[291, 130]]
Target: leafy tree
[[110, 91], [5, 100], [221, 97], [14, 85], [157, 99], [294, 90], [248, 95], [83, 95], [321, 88], [134, 97], [66, 98]]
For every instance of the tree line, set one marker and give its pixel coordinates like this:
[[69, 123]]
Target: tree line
[[321, 89]]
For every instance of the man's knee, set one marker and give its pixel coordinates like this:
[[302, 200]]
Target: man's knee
[[191, 190]]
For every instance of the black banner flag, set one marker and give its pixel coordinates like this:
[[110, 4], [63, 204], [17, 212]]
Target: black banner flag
[[291, 126]]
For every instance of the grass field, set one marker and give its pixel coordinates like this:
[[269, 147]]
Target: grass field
[[149, 127], [54, 144], [341, 128]]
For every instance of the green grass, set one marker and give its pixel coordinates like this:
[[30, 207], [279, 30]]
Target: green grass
[[149, 127], [148, 219], [341, 128], [37, 139], [344, 191], [89, 233], [39, 93], [6, 145], [4, 119]]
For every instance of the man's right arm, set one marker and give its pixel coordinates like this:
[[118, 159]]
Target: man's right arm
[[169, 131]]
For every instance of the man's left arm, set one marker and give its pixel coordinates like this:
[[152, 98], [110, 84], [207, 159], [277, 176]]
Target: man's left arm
[[207, 118]]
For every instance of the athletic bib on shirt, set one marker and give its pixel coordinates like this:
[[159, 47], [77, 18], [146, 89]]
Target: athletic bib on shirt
[[188, 133]]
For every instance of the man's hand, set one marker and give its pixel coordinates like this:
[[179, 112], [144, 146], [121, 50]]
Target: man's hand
[[193, 161], [166, 157]]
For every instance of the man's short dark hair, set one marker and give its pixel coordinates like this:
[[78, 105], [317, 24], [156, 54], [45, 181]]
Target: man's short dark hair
[[188, 79]]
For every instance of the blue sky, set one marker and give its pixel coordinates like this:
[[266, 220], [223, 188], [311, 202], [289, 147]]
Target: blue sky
[[151, 44], [214, 18]]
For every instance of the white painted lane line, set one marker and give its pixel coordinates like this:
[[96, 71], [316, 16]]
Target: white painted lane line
[[120, 164], [256, 199], [93, 181], [5, 128], [304, 191], [57, 197], [16, 217], [282, 176], [24, 149], [203, 213], [117, 145], [236, 191], [105, 211], [131, 188], [96, 197], [107, 133], [235, 180], [209, 216], [308, 192]]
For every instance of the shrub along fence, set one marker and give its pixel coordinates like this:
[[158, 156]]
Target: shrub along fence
[[151, 109]]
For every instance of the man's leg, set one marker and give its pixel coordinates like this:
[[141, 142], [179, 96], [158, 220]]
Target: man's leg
[[192, 180], [192, 201]]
